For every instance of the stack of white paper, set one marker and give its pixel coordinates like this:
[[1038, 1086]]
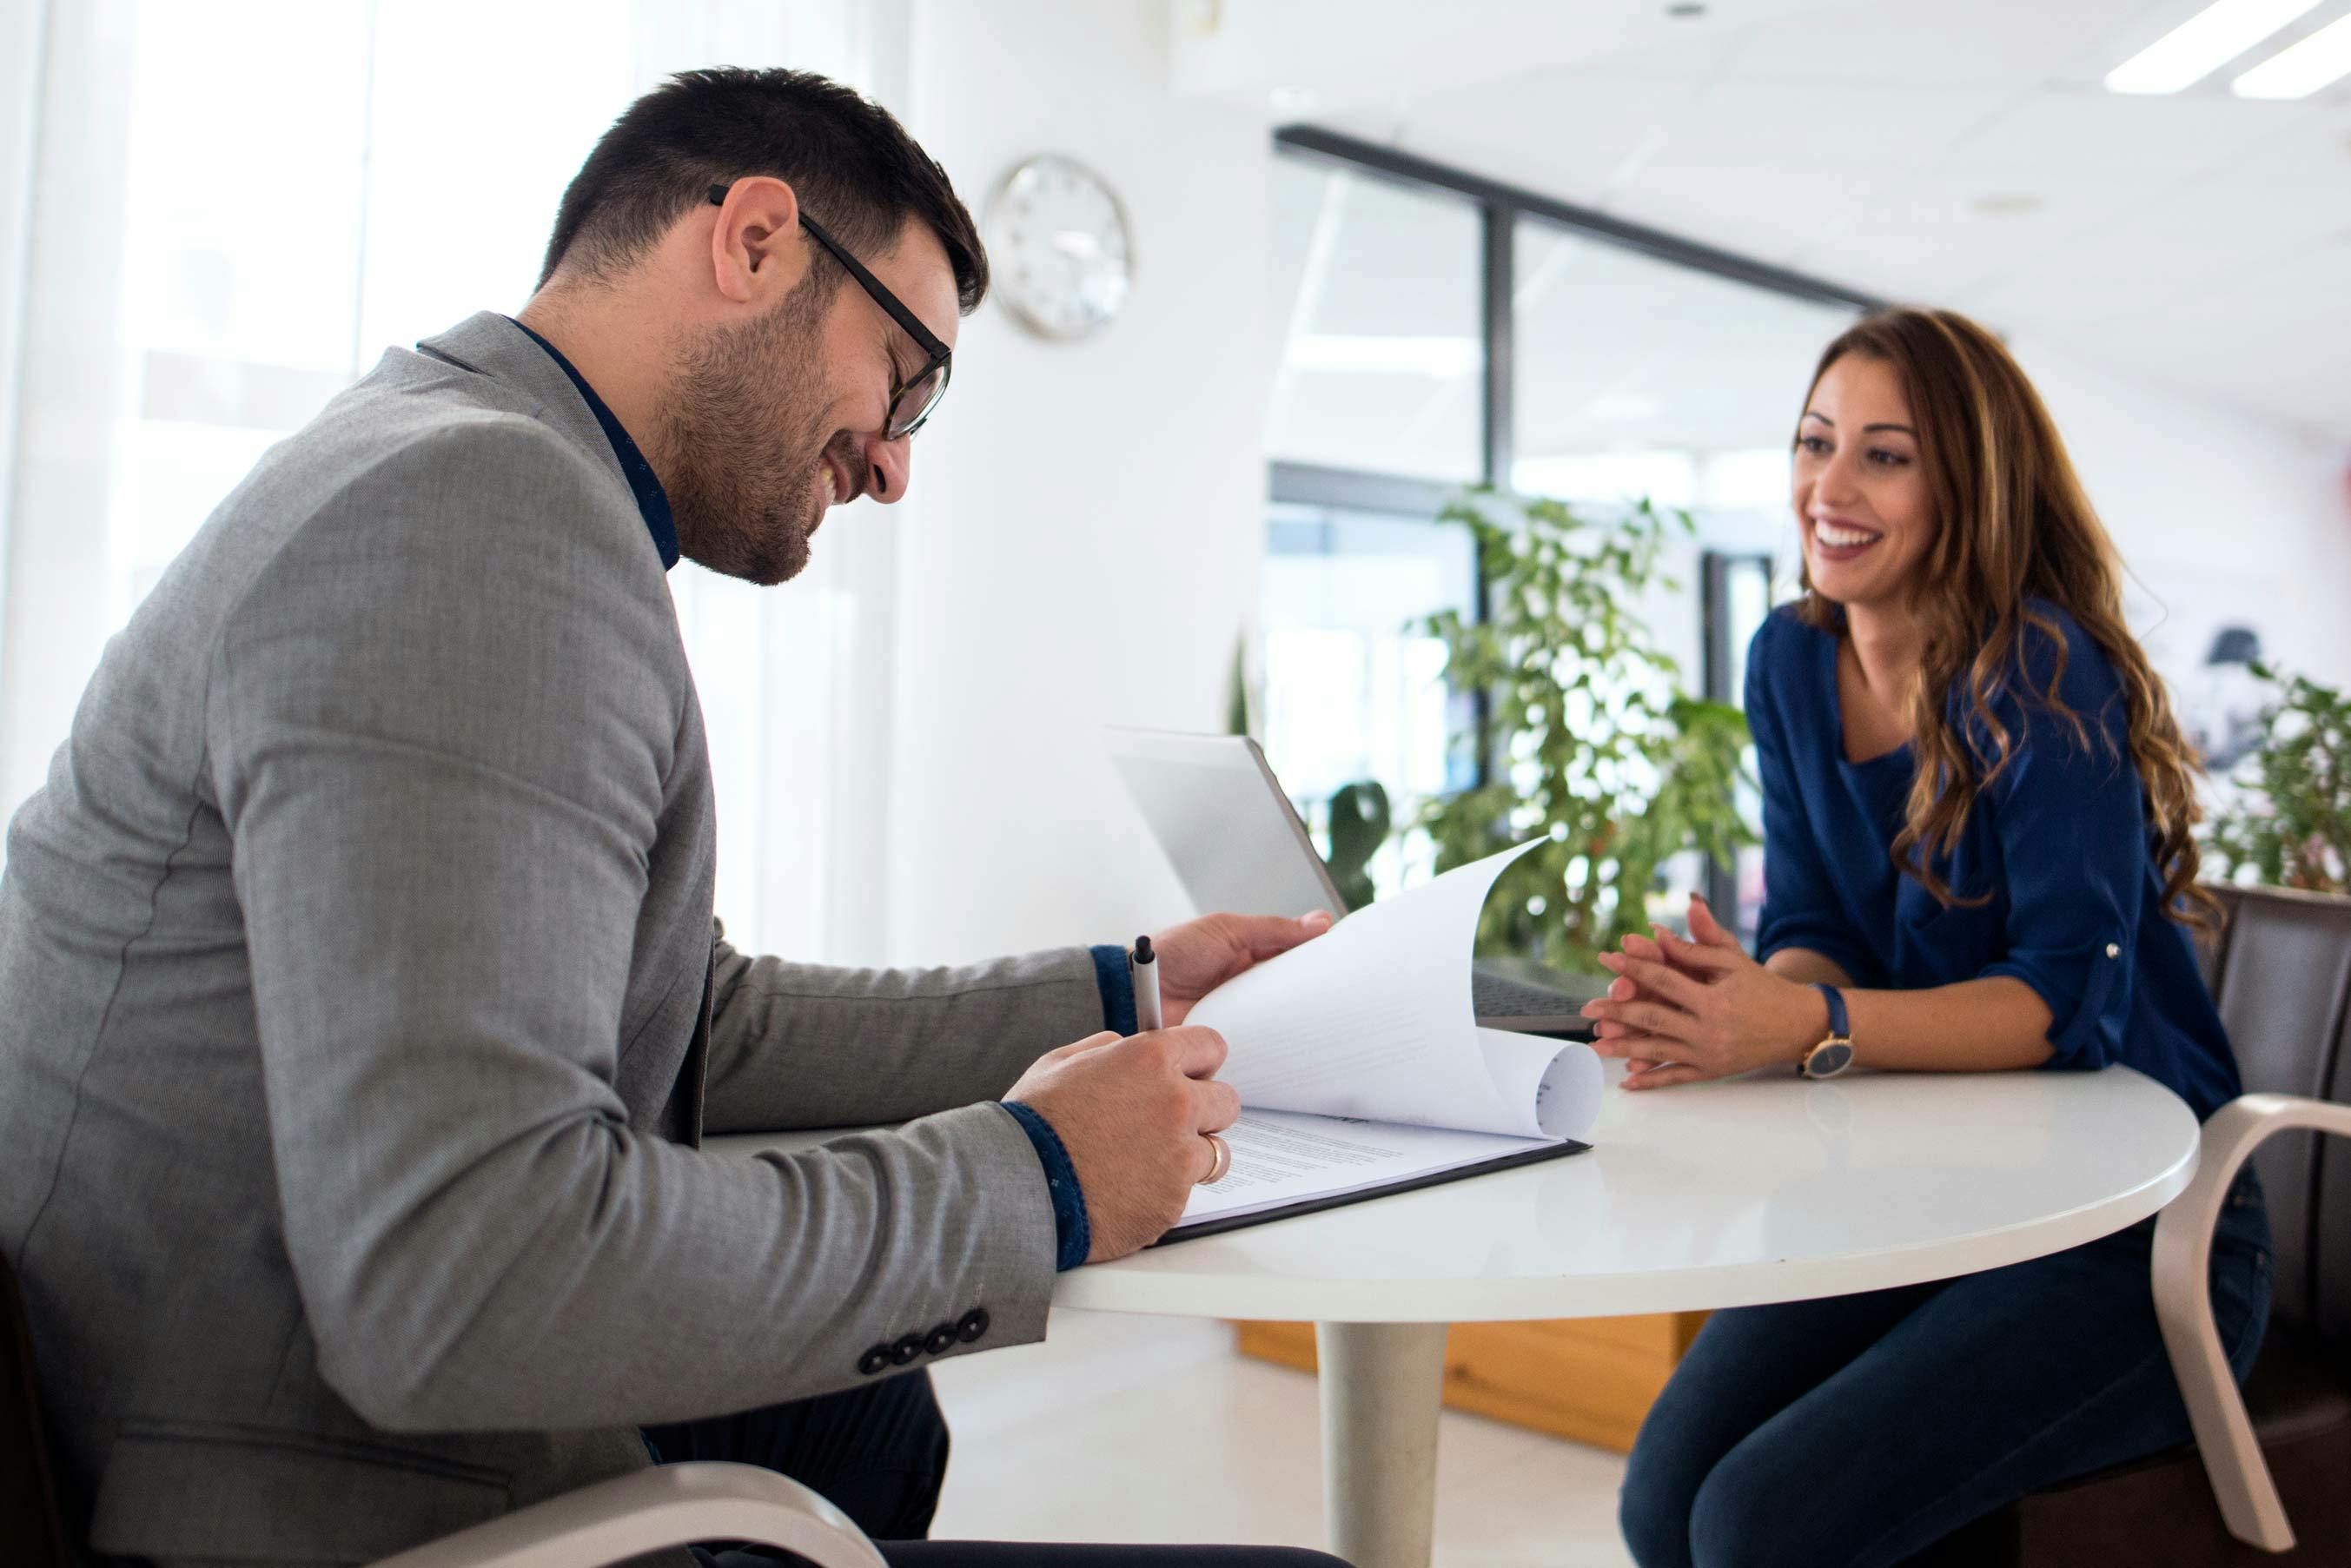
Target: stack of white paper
[[1373, 1023]]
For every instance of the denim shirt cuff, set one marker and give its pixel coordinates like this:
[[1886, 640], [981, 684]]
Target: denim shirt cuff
[[1116, 983], [1073, 1238]]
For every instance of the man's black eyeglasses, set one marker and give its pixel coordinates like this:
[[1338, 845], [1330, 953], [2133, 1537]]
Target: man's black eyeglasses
[[912, 399]]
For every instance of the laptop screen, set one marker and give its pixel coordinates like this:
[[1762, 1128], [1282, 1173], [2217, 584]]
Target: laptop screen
[[1226, 826]]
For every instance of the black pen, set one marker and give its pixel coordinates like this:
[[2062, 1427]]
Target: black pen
[[1144, 963]]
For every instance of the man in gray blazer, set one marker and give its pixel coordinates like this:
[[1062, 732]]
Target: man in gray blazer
[[364, 1005]]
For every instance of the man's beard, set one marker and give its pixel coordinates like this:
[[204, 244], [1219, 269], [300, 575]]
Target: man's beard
[[747, 482]]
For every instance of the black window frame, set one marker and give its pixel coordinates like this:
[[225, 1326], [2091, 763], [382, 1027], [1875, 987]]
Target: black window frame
[[1501, 208]]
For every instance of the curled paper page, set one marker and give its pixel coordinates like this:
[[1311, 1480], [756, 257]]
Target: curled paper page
[[1374, 1019], [1550, 1087]]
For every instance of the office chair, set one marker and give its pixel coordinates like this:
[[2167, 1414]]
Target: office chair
[[666, 1506], [2268, 1479]]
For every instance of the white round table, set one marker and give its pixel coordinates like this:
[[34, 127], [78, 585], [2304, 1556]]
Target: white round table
[[1768, 1189]]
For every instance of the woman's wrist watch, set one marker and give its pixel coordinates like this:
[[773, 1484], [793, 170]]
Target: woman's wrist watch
[[1833, 1054]]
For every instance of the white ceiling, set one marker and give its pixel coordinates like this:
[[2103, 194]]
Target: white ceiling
[[2198, 240]]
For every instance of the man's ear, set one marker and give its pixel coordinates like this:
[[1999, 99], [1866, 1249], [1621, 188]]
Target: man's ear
[[758, 253]]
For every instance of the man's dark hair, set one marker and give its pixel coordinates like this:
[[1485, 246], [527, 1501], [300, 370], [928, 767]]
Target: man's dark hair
[[851, 164]]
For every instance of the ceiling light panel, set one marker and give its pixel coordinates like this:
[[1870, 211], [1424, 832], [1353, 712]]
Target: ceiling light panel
[[2203, 43], [2322, 59]]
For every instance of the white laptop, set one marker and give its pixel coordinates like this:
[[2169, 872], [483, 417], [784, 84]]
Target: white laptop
[[1238, 844]]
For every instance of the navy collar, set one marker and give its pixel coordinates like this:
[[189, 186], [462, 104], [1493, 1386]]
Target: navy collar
[[651, 499]]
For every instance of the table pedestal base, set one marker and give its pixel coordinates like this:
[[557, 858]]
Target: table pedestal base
[[1380, 1384]]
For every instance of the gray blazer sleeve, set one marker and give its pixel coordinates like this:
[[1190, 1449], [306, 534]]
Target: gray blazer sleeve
[[799, 1045], [439, 722]]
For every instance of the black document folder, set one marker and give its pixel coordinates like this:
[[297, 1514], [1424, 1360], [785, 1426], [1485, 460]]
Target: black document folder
[[1286, 1165]]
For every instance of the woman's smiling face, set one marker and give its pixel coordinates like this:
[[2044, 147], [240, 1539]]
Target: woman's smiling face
[[1860, 491]]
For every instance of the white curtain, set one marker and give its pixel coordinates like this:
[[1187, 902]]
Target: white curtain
[[214, 216]]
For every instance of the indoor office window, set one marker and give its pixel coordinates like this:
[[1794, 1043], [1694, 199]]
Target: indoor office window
[[239, 207], [235, 305], [1354, 689], [1638, 377], [1737, 591], [261, 287], [582, 74], [1381, 363]]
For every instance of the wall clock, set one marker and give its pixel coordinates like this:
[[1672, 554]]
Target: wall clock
[[1059, 247]]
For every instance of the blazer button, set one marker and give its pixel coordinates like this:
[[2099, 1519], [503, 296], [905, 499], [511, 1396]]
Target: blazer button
[[903, 1352], [942, 1340], [2113, 950], [873, 1359], [974, 1325]]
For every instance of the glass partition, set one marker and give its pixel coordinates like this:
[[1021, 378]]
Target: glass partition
[[1352, 686], [1637, 377], [1381, 361]]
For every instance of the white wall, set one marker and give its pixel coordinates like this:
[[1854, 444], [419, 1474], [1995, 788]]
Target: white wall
[[22, 27], [1081, 542], [57, 621], [2222, 516]]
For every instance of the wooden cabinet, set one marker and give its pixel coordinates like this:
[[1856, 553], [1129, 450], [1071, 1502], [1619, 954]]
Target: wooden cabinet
[[1591, 1379]]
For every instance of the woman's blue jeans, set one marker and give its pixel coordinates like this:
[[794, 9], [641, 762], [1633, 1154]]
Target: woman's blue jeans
[[1856, 1431]]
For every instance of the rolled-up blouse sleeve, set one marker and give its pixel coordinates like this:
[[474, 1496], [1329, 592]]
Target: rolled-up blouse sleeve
[[1802, 904], [2071, 826]]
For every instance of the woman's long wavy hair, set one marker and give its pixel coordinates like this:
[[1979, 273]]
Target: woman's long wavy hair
[[2012, 524]]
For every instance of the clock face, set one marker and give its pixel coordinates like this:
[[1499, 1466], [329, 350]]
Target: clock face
[[1058, 246]]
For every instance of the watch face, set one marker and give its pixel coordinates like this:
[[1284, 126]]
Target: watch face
[[1057, 242], [1828, 1059]]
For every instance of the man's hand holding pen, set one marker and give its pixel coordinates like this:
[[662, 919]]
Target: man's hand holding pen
[[1135, 1112]]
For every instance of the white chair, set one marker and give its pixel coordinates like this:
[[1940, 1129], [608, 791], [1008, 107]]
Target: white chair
[[2241, 1483], [2281, 974], [666, 1506]]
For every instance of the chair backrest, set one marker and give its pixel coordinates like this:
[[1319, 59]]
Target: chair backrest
[[32, 1527], [2281, 974]]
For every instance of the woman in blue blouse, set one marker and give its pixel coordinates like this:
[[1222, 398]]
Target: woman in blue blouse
[[1976, 811]]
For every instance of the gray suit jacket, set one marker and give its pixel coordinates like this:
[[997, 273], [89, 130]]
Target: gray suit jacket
[[362, 1006]]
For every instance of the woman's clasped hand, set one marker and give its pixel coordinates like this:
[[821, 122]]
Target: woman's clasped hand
[[1681, 1010]]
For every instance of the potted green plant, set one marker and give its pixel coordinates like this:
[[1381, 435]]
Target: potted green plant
[[1592, 742], [2288, 822], [1359, 826]]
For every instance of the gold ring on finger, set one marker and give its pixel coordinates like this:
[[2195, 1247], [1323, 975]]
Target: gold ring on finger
[[1223, 1163]]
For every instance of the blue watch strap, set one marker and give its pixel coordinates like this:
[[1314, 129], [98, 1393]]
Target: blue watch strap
[[1838, 1026]]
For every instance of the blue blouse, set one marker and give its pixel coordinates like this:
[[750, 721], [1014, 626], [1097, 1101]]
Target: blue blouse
[[2060, 842]]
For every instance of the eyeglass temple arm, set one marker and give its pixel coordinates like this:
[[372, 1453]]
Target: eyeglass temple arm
[[924, 338]]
